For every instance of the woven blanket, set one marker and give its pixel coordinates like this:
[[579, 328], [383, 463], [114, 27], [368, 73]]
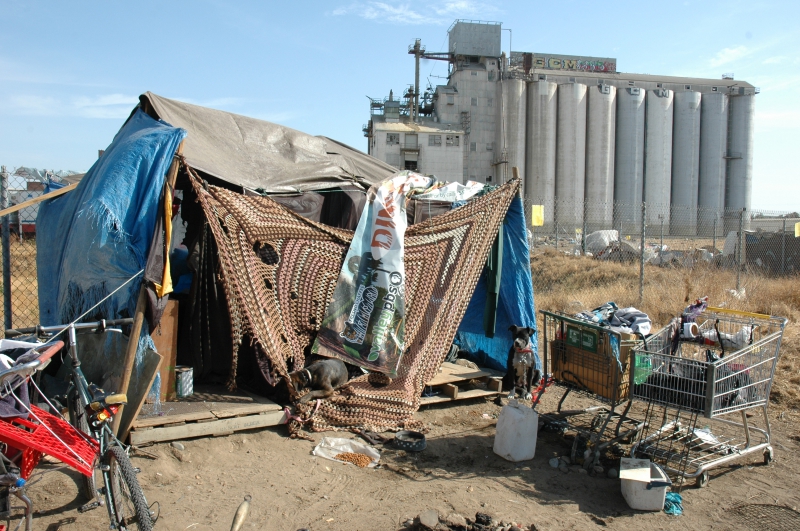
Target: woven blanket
[[279, 271]]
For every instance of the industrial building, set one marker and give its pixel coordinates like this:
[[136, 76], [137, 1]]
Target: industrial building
[[590, 143]]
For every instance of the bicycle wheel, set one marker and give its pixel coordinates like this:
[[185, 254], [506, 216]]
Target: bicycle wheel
[[125, 494], [77, 417]]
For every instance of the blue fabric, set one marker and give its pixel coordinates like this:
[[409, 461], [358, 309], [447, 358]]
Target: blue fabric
[[673, 504], [96, 237], [93, 239], [516, 305]]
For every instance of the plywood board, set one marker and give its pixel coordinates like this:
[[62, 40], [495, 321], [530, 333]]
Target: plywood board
[[462, 395], [142, 379], [450, 373], [165, 338]]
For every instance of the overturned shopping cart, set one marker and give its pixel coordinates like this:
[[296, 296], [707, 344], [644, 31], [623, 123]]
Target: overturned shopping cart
[[696, 380]]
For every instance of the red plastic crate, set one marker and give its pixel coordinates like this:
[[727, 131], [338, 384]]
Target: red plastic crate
[[34, 440]]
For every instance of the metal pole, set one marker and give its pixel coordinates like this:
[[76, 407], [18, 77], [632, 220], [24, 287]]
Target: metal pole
[[740, 251], [783, 248], [714, 239], [641, 255], [6, 249], [417, 51], [661, 217], [583, 231]]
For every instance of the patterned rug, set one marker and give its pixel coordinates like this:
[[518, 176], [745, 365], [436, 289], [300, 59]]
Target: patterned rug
[[279, 271]]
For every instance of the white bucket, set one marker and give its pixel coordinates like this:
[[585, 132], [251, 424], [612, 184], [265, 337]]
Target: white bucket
[[644, 484], [517, 427]]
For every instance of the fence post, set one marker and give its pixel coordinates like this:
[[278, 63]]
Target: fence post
[[6, 249], [641, 254], [740, 251], [783, 248], [583, 231], [714, 236]]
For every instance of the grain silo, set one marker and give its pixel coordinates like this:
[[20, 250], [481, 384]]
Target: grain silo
[[685, 163], [739, 182], [540, 159], [657, 180], [601, 128], [629, 159], [511, 128], [713, 150], [570, 155]]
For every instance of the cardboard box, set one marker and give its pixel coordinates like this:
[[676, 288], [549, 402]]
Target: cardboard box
[[589, 364]]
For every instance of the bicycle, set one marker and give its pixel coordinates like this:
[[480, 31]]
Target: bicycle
[[91, 412]]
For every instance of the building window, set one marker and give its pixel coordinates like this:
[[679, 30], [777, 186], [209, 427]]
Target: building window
[[450, 99], [490, 102], [491, 75], [489, 179], [474, 102], [434, 140], [453, 140], [474, 73], [392, 138], [473, 146], [490, 146]]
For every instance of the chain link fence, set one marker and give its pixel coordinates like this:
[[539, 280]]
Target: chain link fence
[[629, 247], [730, 248], [20, 286]]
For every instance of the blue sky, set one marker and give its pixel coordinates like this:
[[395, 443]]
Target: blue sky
[[70, 72]]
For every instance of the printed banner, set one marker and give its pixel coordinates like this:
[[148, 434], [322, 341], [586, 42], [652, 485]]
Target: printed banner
[[364, 323]]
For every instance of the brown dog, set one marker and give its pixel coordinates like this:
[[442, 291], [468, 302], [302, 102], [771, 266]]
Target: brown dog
[[323, 377]]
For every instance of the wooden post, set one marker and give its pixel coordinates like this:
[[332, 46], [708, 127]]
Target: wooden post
[[138, 319]]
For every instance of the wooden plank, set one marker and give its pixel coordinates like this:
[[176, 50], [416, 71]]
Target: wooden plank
[[43, 197], [244, 409], [451, 373], [202, 429], [451, 391], [165, 338], [168, 419], [462, 395], [495, 384], [137, 393]]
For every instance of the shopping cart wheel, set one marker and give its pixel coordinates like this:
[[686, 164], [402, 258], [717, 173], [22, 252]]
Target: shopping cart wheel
[[768, 455], [702, 480]]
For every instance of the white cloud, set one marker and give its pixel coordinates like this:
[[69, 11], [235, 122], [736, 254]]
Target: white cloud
[[436, 13], [728, 55], [770, 121], [30, 105], [775, 60], [105, 106]]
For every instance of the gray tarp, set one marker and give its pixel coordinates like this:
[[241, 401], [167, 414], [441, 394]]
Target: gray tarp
[[256, 154]]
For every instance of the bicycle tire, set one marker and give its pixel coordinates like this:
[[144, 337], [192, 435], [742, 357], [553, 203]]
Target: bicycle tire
[[77, 417], [125, 494]]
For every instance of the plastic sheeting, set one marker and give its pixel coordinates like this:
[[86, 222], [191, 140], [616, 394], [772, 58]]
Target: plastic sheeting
[[93, 239], [256, 154], [515, 306]]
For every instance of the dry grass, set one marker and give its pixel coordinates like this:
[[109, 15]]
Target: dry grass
[[24, 285], [570, 283]]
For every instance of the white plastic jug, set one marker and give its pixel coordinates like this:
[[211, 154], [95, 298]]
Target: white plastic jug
[[517, 427]]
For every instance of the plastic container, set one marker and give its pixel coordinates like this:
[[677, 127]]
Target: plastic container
[[184, 381], [644, 484], [517, 427]]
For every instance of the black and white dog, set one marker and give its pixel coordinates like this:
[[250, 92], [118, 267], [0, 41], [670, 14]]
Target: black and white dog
[[521, 373]]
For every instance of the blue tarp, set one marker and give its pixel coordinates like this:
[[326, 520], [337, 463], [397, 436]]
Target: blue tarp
[[515, 305], [96, 237]]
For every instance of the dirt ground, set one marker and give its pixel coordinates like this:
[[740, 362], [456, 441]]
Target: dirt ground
[[201, 487]]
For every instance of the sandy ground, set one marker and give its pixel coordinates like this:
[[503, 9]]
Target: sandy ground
[[200, 487]]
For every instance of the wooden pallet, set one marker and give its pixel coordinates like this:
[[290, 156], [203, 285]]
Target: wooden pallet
[[208, 412], [450, 375]]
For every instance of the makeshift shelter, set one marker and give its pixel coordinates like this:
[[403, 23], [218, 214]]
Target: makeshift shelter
[[265, 267]]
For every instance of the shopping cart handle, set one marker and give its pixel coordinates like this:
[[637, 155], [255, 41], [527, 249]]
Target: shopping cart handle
[[53, 347]]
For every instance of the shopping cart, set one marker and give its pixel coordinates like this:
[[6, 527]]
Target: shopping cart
[[593, 361], [722, 366]]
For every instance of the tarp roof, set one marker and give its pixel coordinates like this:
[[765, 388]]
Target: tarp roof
[[256, 154]]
